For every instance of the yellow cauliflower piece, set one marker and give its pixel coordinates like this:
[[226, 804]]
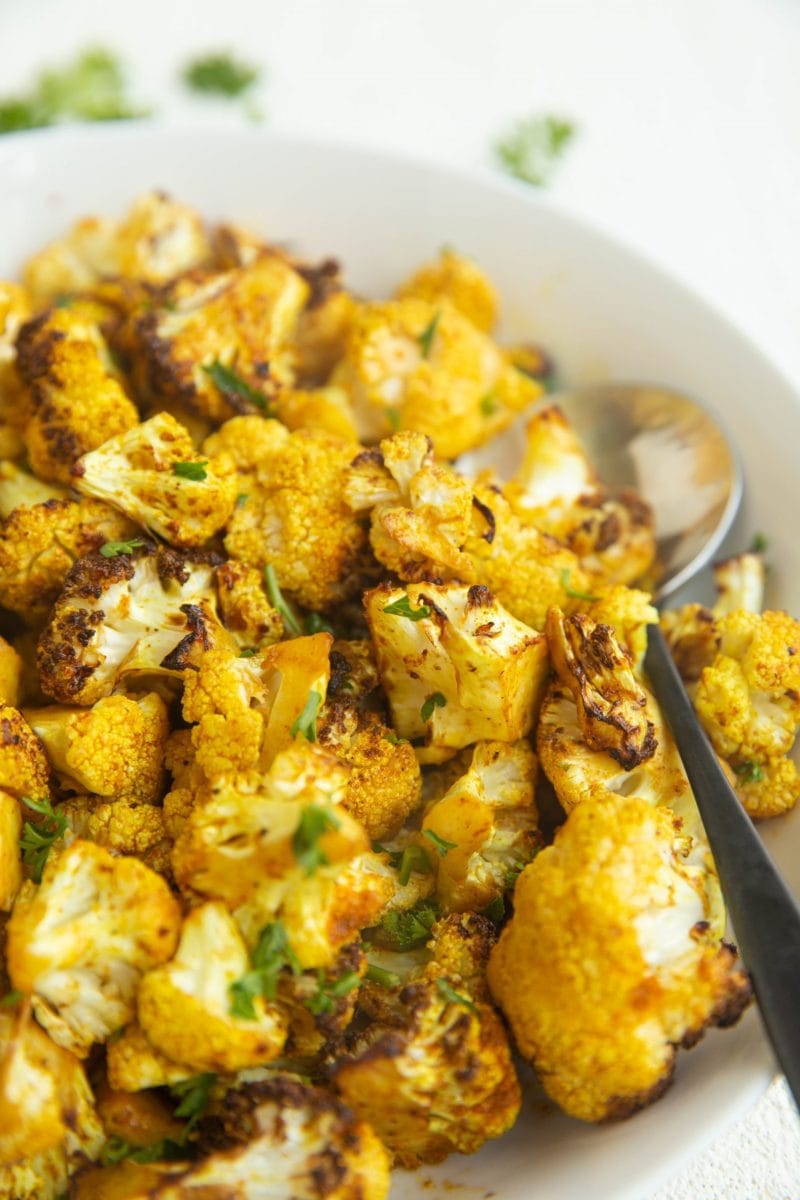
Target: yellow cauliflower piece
[[420, 510], [217, 342], [19, 488], [114, 749], [15, 309], [295, 516], [153, 474], [123, 826], [133, 1064], [320, 336], [10, 674], [608, 963], [611, 703], [460, 281], [184, 1006], [325, 408], [80, 941], [456, 666], [411, 364], [245, 610], [484, 828], [24, 768], [39, 543], [740, 584], [10, 855], [628, 611], [76, 401]]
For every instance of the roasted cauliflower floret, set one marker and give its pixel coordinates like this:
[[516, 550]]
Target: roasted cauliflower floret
[[15, 309], [76, 401], [320, 335], [420, 510], [39, 543], [10, 674], [10, 855], [184, 1006], [80, 941], [122, 826], [629, 612], [460, 281], [457, 668], [484, 829], [19, 487], [740, 584], [295, 517], [611, 703], [24, 767], [152, 473], [216, 342], [114, 749], [326, 409], [413, 364], [139, 614], [133, 1063], [608, 963], [243, 605]]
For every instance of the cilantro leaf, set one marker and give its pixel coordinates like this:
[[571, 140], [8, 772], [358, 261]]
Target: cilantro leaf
[[435, 700], [573, 592], [277, 601], [306, 723], [405, 929], [454, 997], [393, 739], [194, 1095], [196, 471], [229, 383], [314, 822], [117, 1150], [11, 999], [219, 74], [759, 543], [414, 859], [441, 844], [272, 953], [425, 339], [750, 772], [402, 608], [111, 549], [37, 840], [381, 976], [322, 1001], [315, 624], [531, 149], [90, 88]]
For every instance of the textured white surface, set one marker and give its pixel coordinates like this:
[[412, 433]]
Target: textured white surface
[[689, 147]]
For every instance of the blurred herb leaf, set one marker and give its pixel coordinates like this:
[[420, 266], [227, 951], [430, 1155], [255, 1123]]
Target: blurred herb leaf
[[90, 88], [533, 146], [219, 74]]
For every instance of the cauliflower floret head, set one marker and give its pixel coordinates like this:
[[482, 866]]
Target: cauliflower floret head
[[153, 474], [245, 610], [413, 364], [327, 409], [80, 941], [10, 854], [15, 309], [24, 767], [608, 962], [11, 668], [459, 280], [133, 1063], [132, 614], [457, 668], [122, 826]]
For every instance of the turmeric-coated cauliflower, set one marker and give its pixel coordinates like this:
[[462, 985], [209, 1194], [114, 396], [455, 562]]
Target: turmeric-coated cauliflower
[[243, 605], [15, 309], [459, 280], [123, 826], [153, 474], [10, 856], [10, 674], [80, 941], [608, 963], [456, 666]]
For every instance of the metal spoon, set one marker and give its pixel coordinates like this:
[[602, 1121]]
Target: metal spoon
[[678, 457]]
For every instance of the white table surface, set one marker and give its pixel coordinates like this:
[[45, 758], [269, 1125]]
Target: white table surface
[[688, 147]]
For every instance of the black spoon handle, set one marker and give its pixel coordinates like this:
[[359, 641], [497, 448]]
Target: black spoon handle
[[765, 914]]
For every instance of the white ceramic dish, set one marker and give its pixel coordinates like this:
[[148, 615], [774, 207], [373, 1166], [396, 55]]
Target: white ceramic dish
[[604, 313]]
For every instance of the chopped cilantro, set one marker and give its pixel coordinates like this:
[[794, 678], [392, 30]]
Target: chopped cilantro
[[91, 88], [277, 601], [116, 1150], [271, 955], [314, 822], [242, 499], [229, 383], [454, 997], [441, 844], [435, 700], [393, 417], [193, 1095], [393, 739], [405, 929], [382, 977], [315, 624], [530, 150], [495, 910], [11, 999], [37, 840], [573, 592], [413, 858], [196, 471], [425, 339], [322, 1001], [111, 549], [750, 772], [402, 608], [759, 543], [219, 74], [248, 652], [306, 723], [489, 404]]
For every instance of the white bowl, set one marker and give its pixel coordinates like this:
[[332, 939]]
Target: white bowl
[[605, 313]]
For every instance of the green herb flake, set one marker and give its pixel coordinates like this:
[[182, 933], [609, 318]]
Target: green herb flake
[[402, 608], [435, 700], [488, 404], [242, 499], [37, 840], [278, 603], [219, 74], [454, 997], [413, 859], [112, 549], [384, 978], [231, 384], [759, 543], [425, 339], [314, 822], [315, 624], [495, 910], [328, 991], [306, 723], [11, 999], [533, 146], [573, 592], [248, 652], [408, 928], [750, 772], [117, 1150], [441, 844], [271, 955], [91, 88], [393, 739], [393, 417], [194, 1095], [196, 471]]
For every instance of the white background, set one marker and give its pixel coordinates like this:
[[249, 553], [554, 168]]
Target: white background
[[688, 146]]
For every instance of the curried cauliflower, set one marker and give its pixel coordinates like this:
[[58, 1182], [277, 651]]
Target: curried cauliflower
[[608, 963], [133, 1064], [458, 280], [10, 855], [11, 668], [184, 1005], [15, 309], [326, 409], [243, 605], [216, 342], [413, 364], [153, 475], [457, 668], [294, 516], [123, 826], [80, 941], [114, 749], [19, 487], [129, 616], [611, 704], [76, 400], [484, 829], [40, 542], [24, 768]]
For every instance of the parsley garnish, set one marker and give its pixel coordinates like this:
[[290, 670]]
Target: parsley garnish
[[454, 997], [413, 858], [392, 738], [328, 991], [531, 149], [425, 339], [381, 976], [750, 772], [196, 471], [37, 840], [495, 910], [402, 608], [407, 928], [11, 999], [271, 955], [759, 543], [220, 74], [116, 1149], [277, 601], [92, 88], [242, 499], [315, 624], [435, 700], [228, 382], [441, 844], [393, 417], [489, 404], [314, 822], [248, 652], [111, 549], [306, 723], [194, 1095], [573, 592]]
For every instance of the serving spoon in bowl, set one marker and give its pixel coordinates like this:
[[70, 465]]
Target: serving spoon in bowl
[[677, 456]]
